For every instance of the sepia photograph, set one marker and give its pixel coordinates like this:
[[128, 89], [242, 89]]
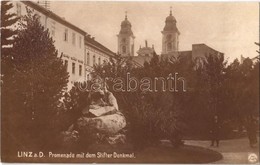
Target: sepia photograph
[[130, 82]]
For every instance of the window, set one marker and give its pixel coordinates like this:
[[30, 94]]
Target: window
[[19, 9], [80, 70], [94, 60], [124, 40], [73, 38], [99, 61], [66, 64], [80, 41], [88, 58], [73, 68], [66, 35], [169, 46], [124, 49]]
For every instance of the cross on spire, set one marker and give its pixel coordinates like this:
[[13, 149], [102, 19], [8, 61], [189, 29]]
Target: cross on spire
[[126, 15]]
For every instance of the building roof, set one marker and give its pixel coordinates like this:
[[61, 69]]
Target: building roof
[[88, 40], [93, 43], [53, 16], [202, 44]]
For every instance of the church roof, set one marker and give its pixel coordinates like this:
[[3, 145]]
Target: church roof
[[170, 23], [93, 43], [125, 22], [170, 18], [126, 27]]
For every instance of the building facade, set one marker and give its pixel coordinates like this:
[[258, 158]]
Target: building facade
[[78, 50], [95, 54]]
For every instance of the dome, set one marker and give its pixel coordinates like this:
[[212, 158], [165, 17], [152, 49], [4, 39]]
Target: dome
[[126, 27], [170, 23], [170, 18], [125, 22]]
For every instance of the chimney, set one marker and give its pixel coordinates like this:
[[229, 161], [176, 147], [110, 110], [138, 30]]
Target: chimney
[[44, 3], [146, 43]]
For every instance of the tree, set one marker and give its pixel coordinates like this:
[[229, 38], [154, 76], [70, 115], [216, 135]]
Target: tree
[[215, 69], [7, 33], [8, 21], [38, 83], [151, 115]]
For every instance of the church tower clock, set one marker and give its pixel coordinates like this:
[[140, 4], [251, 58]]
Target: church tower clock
[[126, 39]]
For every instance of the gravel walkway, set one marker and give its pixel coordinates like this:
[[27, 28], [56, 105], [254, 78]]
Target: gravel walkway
[[233, 151]]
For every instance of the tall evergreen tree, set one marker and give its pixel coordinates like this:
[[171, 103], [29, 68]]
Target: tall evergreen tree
[[215, 69], [38, 83], [7, 33]]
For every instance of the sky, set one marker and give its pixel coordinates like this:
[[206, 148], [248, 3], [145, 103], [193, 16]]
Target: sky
[[229, 27]]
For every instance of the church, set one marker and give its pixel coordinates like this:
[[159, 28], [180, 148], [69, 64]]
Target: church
[[170, 44]]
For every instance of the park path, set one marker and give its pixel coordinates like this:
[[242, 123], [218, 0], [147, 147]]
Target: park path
[[233, 151]]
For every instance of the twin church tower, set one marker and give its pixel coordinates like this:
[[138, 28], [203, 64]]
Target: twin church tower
[[170, 37]]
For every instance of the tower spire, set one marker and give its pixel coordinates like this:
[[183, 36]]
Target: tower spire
[[125, 15], [126, 38], [170, 35]]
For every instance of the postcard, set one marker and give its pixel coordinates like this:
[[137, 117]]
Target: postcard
[[134, 82]]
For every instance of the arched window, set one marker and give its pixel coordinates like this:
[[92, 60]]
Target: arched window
[[169, 46], [124, 49]]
